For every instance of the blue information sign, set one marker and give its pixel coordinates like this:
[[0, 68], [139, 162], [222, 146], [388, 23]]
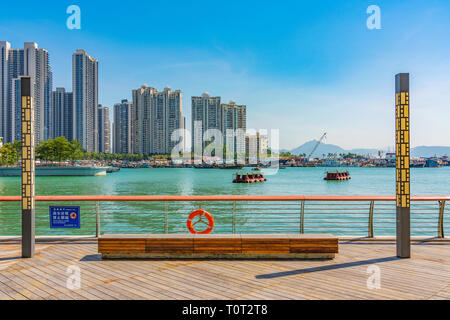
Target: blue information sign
[[65, 217]]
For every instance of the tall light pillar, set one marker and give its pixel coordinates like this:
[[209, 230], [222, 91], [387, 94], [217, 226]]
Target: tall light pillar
[[28, 168], [402, 154]]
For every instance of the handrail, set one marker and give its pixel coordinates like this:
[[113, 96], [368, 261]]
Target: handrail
[[228, 198], [248, 212]]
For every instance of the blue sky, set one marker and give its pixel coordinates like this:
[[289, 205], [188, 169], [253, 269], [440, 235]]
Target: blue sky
[[303, 67]]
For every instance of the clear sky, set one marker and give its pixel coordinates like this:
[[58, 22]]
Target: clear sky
[[304, 67]]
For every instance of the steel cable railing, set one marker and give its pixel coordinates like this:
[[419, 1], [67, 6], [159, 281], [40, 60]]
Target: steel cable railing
[[367, 216]]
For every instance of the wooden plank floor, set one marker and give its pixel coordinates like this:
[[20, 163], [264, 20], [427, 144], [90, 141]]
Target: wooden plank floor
[[425, 276]]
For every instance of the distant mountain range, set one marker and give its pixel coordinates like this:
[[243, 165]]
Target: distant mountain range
[[425, 152], [325, 149]]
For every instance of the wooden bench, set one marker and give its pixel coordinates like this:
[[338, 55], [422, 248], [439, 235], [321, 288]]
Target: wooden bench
[[245, 246]]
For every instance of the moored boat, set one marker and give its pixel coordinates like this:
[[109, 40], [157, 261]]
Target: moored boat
[[337, 176], [251, 177]]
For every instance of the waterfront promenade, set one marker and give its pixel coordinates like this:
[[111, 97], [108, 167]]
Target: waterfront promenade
[[425, 276]]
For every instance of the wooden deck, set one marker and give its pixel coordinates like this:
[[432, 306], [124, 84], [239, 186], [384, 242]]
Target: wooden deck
[[425, 276]]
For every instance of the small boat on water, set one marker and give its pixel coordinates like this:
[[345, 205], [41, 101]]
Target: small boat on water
[[337, 176], [252, 177], [112, 169]]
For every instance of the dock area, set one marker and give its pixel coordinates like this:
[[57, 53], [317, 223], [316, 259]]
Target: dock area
[[425, 276]]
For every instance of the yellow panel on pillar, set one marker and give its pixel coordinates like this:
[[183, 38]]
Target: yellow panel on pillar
[[402, 140]]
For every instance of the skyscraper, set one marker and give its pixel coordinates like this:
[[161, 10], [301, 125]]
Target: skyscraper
[[30, 61], [234, 126], [4, 76], [142, 119], [256, 146], [13, 67], [167, 117], [122, 127], [62, 111], [156, 116], [229, 118], [107, 132], [207, 113], [104, 129], [85, 99], [38, 68]]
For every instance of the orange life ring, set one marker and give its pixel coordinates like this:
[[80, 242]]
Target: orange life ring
[[201, 213]]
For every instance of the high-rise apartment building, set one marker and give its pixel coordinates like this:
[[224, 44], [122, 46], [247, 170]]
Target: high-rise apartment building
[[234, 126], [142, 119], [256, 146], [229, 118], [122, 127], [36, 65], [156, 116], [30, 61], [206, 114], [85, 99], [167, 117], [104, 129], [107, 132], [62, 114], [4, 75]]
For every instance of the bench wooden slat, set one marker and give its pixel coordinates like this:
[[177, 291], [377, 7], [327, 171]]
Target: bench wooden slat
[[167, 245], [220, 245]]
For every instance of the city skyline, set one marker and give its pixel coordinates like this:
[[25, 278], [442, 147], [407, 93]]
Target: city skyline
[[56, 125], [314, 86]]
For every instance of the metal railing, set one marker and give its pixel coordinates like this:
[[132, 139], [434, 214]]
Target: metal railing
[[367, 216]]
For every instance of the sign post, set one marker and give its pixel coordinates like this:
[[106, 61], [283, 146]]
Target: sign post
[[402, 154], [28, 169]]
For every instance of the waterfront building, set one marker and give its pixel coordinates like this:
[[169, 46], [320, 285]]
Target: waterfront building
[[167, 117], [14, 119], [206, 114], [4, 74], [141, 121], [256, 146], [234, 126], [122, 127], [62, 110], [85, 99], [104, 129], [229, 118], [155, 117], [30, 61]]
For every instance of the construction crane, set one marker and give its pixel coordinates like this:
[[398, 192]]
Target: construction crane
[[317, 144]]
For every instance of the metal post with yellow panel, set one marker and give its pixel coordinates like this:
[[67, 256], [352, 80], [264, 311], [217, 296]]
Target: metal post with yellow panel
[[402, 150], [28, 169]]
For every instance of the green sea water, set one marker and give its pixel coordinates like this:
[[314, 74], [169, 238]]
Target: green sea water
[[252, 217], [289, 181]]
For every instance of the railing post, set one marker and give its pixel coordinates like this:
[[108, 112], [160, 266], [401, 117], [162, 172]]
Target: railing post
[[302, 217], [97, 219], [441, 219], [166, 218], [233, 218], [370, 228]]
